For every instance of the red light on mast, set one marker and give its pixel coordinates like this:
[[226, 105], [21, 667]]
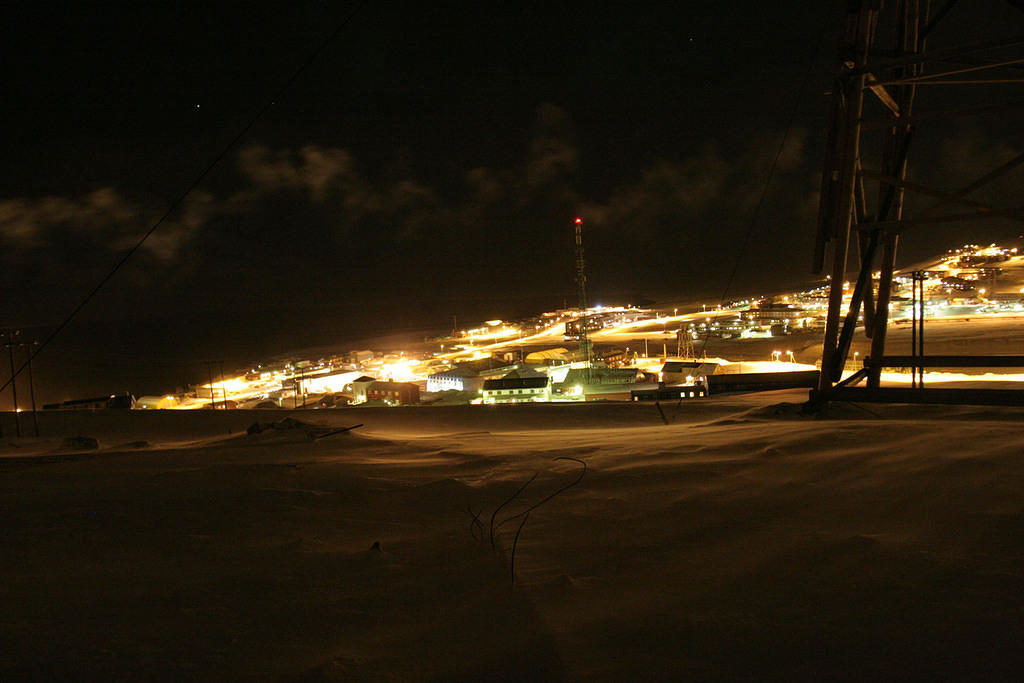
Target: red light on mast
[[578, 220]]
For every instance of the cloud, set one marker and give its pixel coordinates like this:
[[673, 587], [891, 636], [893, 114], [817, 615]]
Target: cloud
[[972, 154], [27, 223], [102, 220], [313, 213], [19, 220], [789, 155], [485, 185], [169, 240], [312, 169], [667, 197], [552, 158]]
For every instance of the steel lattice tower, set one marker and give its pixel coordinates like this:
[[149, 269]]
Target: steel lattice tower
[[863, 186], [586, 351]]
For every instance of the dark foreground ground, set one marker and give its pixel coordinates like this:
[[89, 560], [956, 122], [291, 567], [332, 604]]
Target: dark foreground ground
[[743, 540]]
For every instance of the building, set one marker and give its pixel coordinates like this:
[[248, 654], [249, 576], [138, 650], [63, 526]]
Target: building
[[517, 390], [685, 371], [600, 384], [469, 376], [359, 357], [393, 393], [359, 388], [548, 356], [670, 393], [762, 381], [155, 403], [774, 311], [1007, 299], [615, 357], [573, 328], [332, 382], [113, 402], [524, 385]]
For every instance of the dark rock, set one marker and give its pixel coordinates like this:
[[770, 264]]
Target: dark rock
[[80, 443]]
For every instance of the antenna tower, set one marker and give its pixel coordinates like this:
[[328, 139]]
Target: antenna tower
[[586, 350]]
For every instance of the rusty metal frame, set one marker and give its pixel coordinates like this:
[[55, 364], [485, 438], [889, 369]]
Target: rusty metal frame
[[846, 211]]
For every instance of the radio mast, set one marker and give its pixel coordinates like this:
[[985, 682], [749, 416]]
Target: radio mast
[[581, 290]]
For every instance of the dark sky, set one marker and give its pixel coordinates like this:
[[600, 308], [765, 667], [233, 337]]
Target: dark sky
[[427, 163]]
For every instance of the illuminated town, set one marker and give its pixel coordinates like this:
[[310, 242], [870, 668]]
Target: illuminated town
[[638, 353]]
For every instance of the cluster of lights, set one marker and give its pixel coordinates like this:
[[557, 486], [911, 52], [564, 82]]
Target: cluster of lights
[[958, 269]]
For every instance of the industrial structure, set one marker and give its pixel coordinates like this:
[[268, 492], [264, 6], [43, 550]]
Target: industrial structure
[[586, 351], [863, 185]]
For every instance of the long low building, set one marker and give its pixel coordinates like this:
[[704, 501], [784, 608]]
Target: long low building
[[517, 390], [762, 381], [112, 402], [469, 376], [663, 393]]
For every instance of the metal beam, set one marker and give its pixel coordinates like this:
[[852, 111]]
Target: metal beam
[[937, 18], [896, 227], [921, 189], [995, 361], [984, 397], [860, 291], [965, 81], [883, 95], [976, 185], [894, 163], [842, 176], [947, 53], [844, 203], [924, 78], [943, 114]]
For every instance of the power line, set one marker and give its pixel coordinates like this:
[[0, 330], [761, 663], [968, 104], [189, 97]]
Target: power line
[[771, 174], [191, 187]]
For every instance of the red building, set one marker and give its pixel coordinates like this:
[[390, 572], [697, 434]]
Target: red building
[[395, 393]]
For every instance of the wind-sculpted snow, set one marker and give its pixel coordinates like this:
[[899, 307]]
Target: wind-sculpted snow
[[745, 539]]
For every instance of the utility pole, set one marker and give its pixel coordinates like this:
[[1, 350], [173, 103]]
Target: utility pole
[[32, 385], [223, 390], [14, 380], [209, 376], [581, 290]]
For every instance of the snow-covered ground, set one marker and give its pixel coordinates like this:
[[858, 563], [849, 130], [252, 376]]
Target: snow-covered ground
[[743, 540]]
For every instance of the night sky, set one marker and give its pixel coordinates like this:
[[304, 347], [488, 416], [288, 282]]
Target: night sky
[[428, 162]]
